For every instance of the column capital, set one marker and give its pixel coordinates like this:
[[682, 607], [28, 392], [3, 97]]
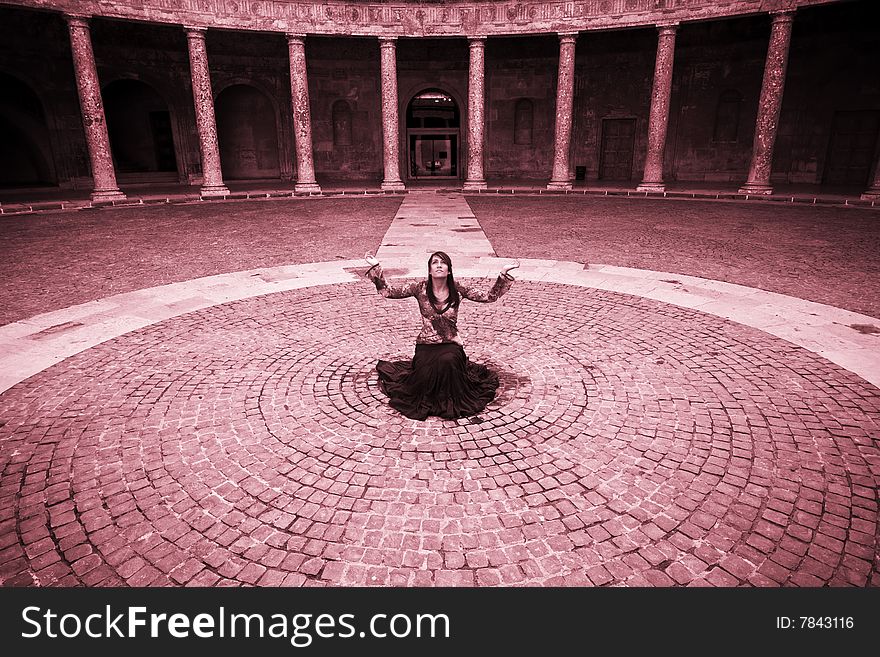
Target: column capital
[[194, 30], [568, 36], [782, 16], [295, 37], [667, 28], [387, 41], [478, 41], [79, 20]]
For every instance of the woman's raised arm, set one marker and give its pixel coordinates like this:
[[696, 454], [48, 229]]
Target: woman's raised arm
[[502, 285], [375, 274]]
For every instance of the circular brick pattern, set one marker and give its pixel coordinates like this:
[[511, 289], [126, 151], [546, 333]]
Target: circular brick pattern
[[631, 443]]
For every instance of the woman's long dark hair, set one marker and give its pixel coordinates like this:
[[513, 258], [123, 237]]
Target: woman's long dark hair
[[454, 299]]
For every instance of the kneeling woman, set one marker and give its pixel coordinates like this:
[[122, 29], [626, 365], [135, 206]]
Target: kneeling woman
[[439, 380]]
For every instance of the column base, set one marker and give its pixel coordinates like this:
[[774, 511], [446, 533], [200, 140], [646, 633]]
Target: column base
[[213, 190], [105, 195], [474, 185], [651, 187], [872, 194], [756, 188], [559, 184], [307, 188], [393, 186]]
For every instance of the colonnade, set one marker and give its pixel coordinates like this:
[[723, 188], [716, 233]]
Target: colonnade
[[758, 181]]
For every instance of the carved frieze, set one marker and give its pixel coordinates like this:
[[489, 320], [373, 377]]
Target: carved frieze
[[404, 18]]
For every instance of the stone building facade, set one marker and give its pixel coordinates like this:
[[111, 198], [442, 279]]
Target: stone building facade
[[640, 93]]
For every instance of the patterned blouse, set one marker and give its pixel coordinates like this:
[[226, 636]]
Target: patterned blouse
[[438, 324]]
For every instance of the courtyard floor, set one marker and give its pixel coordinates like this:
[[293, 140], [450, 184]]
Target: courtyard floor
[[689, 395]]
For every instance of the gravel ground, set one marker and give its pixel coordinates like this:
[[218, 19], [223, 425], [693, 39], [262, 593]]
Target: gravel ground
[[825, 254], [55, 260]]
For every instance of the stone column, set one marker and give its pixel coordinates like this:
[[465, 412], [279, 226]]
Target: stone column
[[873, 192], [92, 108], [561, 176], [302, 115], [652, 180], [476, 105], [203, 97], [390, 121], [769, 106]]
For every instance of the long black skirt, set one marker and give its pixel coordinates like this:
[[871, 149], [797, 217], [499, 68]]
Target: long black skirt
[[439, 380]]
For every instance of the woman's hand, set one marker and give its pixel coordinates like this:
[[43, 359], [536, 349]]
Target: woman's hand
[[506, 268], [371, 259]]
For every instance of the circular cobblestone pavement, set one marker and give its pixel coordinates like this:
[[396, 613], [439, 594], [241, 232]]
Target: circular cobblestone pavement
[[631, 443]]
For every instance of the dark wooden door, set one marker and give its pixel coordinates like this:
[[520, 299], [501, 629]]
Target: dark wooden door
[[616, 154], [851, 150]]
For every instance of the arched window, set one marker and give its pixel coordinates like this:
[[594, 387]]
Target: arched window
[[522, 121], [727, 116], [341, 123]]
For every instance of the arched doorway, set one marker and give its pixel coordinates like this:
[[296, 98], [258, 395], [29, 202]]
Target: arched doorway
[[139, 127], [27, 156], [432, 129], [247, 134]]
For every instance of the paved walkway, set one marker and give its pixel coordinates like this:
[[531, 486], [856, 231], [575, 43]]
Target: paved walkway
[[651, 429], [427, 222]]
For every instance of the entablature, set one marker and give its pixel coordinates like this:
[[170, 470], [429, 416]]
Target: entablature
[[416, 19]]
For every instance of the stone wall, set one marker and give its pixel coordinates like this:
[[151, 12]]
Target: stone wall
[[345, 74], [832, 71], [715, 61], [613, 79], [520, 69]]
